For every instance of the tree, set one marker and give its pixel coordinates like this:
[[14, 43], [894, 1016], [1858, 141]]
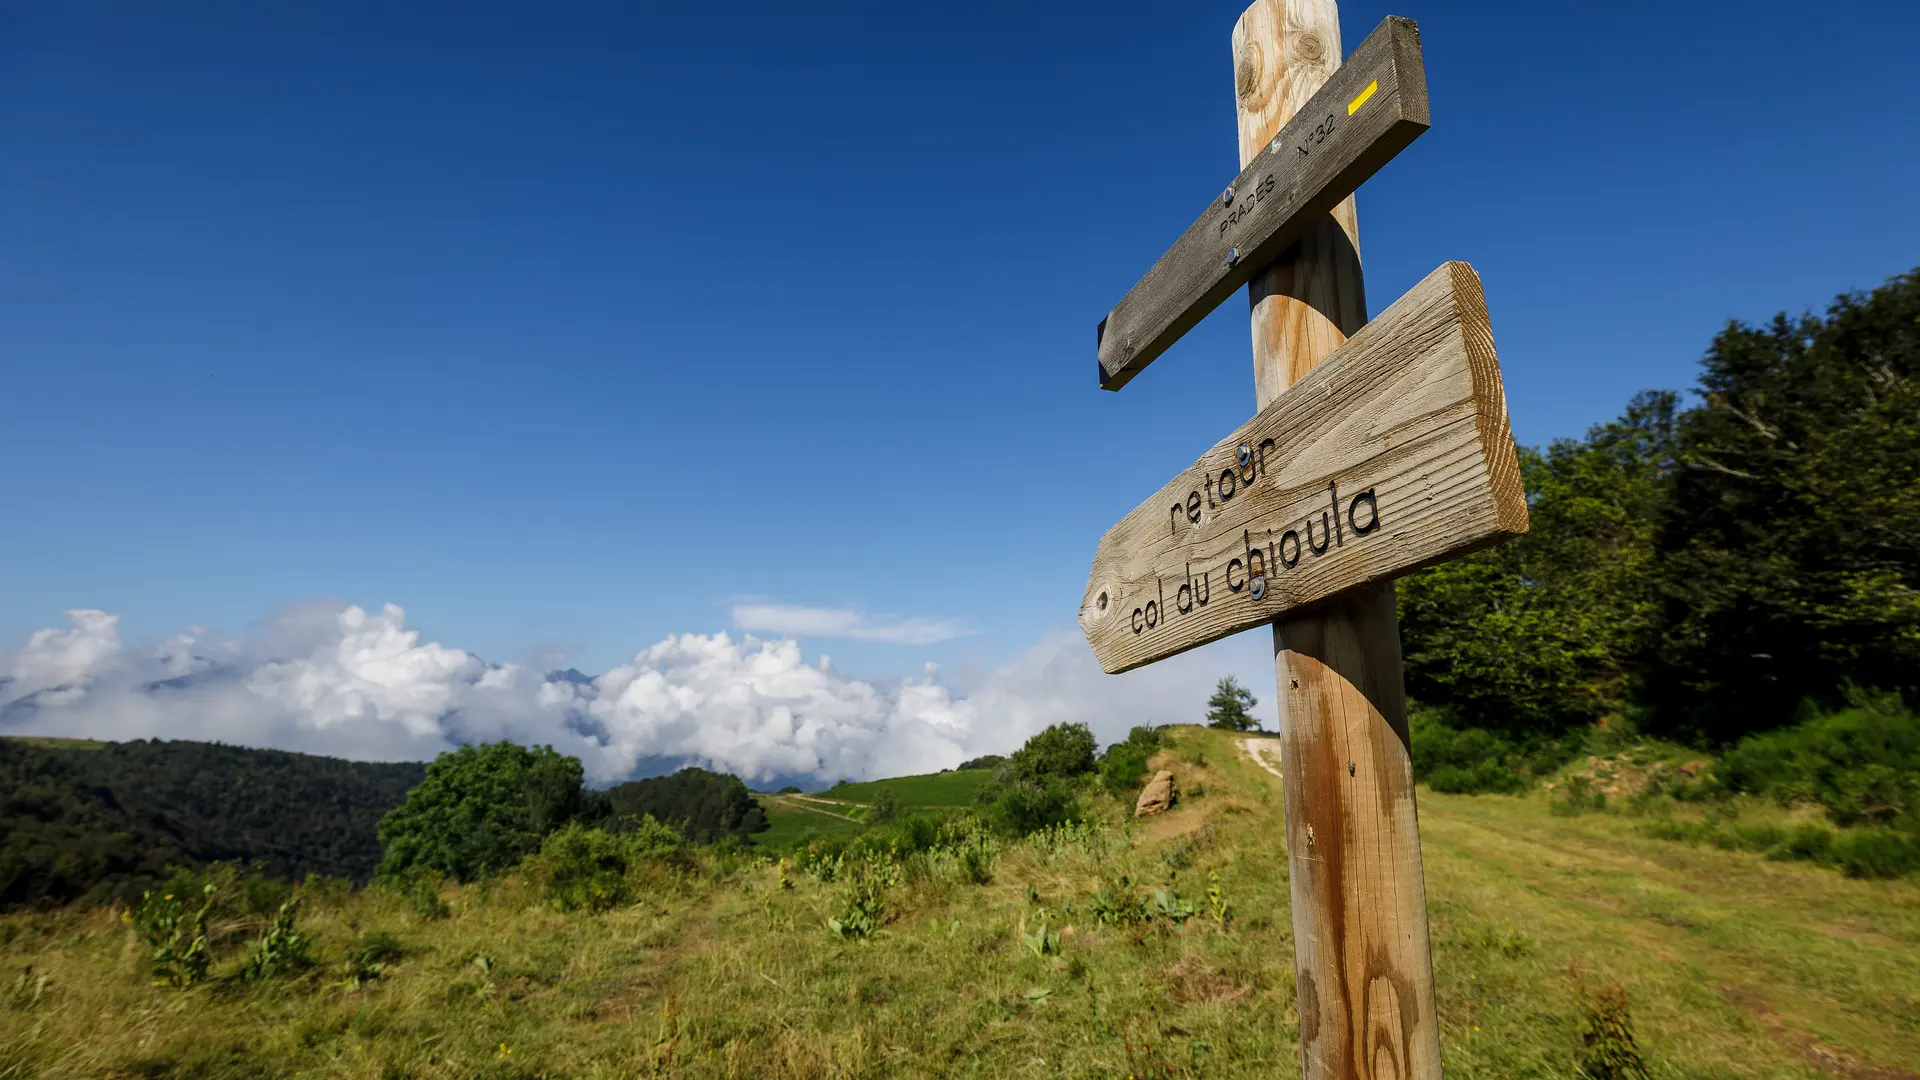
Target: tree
[[1790, 552], [884, 808], [481, 809], [1550, 631], [1230, 706], [704, 805], [1059, 752], [1124, 765]]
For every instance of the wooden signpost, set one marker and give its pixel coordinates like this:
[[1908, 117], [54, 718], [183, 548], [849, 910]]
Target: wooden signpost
[[1379, 447]]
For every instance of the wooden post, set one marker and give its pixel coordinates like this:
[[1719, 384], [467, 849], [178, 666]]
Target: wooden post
[[1365, 973]]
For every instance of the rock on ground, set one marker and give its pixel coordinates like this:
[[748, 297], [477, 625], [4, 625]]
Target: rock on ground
[[1158, 795]]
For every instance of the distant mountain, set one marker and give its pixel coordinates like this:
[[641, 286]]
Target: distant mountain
[[95, 820], [24, 706]]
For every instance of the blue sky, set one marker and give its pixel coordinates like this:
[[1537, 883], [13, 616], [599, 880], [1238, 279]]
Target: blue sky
[[571, 327]]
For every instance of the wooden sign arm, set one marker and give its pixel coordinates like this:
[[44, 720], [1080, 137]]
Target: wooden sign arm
[[1392, 454], [1368, 111]]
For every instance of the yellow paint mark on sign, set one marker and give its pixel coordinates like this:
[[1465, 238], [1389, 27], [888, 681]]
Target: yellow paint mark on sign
[[1354, 105]]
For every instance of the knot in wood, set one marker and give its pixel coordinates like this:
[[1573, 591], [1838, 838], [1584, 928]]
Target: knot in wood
[[1308, 49], [1247, 72]]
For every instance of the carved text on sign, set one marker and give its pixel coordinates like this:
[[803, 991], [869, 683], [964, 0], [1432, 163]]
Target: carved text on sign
[[1277, 549], [1392, 454]]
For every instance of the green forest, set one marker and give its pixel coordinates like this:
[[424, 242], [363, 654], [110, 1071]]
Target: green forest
[[100, 821], [94, 820], [1702, 572]]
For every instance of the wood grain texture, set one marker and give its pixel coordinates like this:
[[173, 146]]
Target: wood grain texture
[[1367, 112], [1362, 958], [1309, 300], [1392, 454]]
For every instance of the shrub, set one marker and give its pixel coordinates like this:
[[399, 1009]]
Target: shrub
[[1115, 904], [1875, 852], [1468, 762], [984, 761], [592, 869], [963, 850], [326, 889], [1059, 752], [177, 943], [1021, 809], [1124, 766], [1123, 770], [908, 835], [1072, 838], [1808, 843], [260, 894], [281, 950], [1862, 764], [1686, 832], [863, 901], [1607, 1047], [422, 891], [1579, 796], [975, 859], [1749, 838], [884, 808], [1471, 761]]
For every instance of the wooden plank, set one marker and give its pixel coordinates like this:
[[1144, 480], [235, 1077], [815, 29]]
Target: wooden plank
[[1394, 453], [1369, 110]]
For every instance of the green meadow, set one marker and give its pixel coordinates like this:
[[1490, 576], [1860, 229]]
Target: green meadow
[[1157, 947]]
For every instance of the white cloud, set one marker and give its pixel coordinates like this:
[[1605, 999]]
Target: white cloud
[[340, 680], [63, 658], [792, 621]]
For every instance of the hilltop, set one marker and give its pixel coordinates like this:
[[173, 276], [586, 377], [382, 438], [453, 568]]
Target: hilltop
[[1151, 947]]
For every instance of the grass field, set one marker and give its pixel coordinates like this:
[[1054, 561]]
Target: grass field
[[1735, 967], [933, 789], [792, 820]]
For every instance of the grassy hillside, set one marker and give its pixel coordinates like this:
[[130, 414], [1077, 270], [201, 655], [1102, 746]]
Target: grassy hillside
[[956, 788], [794, 820], [839, 811], [1735, 967]]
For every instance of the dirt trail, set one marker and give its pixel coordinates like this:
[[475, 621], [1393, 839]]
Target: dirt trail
[[813, 806], [1256, 750]]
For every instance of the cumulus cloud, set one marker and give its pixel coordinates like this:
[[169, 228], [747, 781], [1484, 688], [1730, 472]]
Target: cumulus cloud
[[803, 622], [342, 680], [54, 659]]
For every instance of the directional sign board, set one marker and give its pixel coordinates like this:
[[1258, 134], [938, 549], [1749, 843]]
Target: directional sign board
[[1392, 454], [1369, 110]]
